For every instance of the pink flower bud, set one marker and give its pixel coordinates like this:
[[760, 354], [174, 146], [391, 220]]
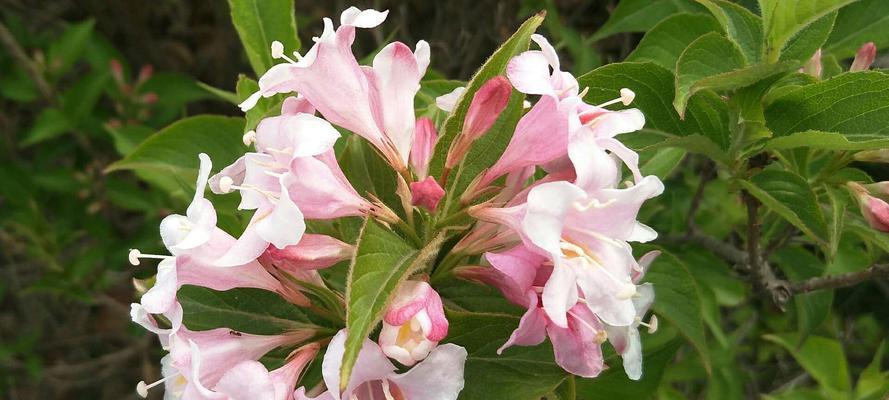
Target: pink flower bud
[[144, 73], [875, 210], [426, 193], [864, 58], [149, 98], [425, 137], [312, 252], [116, 70], [880, 156], [813, 66], [413, 324], [486, 106]]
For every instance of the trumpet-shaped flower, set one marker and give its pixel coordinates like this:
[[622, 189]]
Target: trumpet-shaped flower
[[438, 377], [413, 324], [379, 99]]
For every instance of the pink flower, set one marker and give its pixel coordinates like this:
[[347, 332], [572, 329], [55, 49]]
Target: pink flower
[[375, 103], [199, 360], [530, 72], [425, 138], [872, 199], [426, 193], [414, 324], [864, 58], [486, 106], [438, 377], [585, 236]]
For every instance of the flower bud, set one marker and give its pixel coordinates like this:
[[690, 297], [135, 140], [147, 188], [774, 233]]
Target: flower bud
[[880, 156], [413, 324], [864, 58], [813, 66], [486, 106], [425, 137], [426, 193], [313, 251], [874, 209]]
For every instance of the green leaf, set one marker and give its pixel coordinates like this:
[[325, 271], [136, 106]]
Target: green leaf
[[861, 22], [821, 357], [174, 150], [678, 300], [67, 49], [259, 23], [741, 26], [127, 138], [520, 373], [382, 261], [663, 162], [614, 384], [873, 381], [495, 65], [714, 62], [664, 43], [811, 308], [849, 104], [784, 19], [78, 101], [640, 15], [248, 310], [705, 128], [791, 197], [49, 124], [829, 141], [802, 46]]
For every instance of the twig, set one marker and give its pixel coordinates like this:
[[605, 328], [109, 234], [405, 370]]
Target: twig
[[706, 176], [840, 281], [17, 53], [725, 250], [765, 277]]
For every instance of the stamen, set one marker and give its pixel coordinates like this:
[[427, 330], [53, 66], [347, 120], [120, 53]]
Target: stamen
[[601, 335], [627, 289], [226, 184], [274, 174], [386, 391], [626, 97], [651, 324], [285, 151], [135, 255], [297, 55], [249, 138], [142, 388], [583, 92], [278, 52]]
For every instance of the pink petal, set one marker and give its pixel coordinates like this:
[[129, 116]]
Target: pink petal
[[540, 136], [517, 268], [317, 186], [575, 347], [423, 147], [246, 381], [397, 80], [438, 377], [297, 105], [529, 73], [864, 58], [532, 327]]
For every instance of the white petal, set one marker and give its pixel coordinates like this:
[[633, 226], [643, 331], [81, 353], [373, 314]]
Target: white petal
[[529, 73], [284, 226], [447, 102], [363, 18], [438, 377]]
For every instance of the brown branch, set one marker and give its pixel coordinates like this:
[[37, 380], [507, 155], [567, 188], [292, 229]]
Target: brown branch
[[876, 271], [724, 250], [17, 53], [765, 277]]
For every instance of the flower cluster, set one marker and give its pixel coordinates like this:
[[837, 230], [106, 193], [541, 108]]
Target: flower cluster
[[558, 245]]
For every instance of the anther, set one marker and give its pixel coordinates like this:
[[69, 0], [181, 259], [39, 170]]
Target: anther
[[225, 184], [142, 388], [626, 97], [278, 52], [594, 203], [249, 138], [627, 291], [135, 255]]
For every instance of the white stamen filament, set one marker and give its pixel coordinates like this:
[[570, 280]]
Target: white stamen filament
[[626, 97], [135, 255], [297, 55], [142, 388], [274, 174], [583, 92], [286, 151], [651, 324], [386, 391], [249, 138], [226, 184], [278, 52], [601, 335]]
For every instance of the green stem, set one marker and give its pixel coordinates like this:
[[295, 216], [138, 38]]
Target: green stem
[[408, 231], [446, 265], [451, 218]]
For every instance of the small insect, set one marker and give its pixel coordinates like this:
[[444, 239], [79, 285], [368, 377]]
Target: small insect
[[234, 333]]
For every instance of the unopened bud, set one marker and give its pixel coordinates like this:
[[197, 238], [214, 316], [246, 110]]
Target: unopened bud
[[864, 58], [881, 156], [425, 138], [813, 66], [426, 193]]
